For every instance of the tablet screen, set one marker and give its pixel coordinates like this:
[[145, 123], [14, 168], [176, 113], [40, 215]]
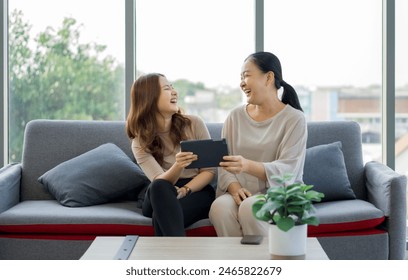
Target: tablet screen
[[209, 152]]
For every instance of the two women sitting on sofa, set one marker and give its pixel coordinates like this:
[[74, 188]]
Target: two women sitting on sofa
[[267, 136]]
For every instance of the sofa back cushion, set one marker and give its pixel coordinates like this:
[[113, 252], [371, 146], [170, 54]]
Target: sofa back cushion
[[326, 171], [98, 176], [349, 134], [48, 143]]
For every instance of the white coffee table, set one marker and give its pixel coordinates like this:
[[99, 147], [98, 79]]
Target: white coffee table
[[189, 248]]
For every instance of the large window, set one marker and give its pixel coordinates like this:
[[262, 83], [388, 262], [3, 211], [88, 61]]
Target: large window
[[200, 46], [401, 84], [69, 63], [65, 62], [331, 53]]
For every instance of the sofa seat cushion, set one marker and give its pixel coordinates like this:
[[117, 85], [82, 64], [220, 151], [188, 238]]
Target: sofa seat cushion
[[346, 216], [48, 217]]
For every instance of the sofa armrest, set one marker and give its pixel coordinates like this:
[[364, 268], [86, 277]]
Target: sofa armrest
[[387, 190], [10, 177]]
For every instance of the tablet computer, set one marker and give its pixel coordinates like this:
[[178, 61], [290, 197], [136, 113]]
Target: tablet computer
[[209, 152]]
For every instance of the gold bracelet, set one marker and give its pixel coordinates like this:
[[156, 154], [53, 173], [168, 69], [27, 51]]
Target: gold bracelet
[[187, 189]]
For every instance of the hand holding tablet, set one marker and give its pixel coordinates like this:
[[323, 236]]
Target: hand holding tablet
[[209, 152]]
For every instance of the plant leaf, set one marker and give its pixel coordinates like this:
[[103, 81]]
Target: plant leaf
[[311, 221], [285, 224], [287, 205], [307, 187], [293, 190], [261, 211], [314, 196]]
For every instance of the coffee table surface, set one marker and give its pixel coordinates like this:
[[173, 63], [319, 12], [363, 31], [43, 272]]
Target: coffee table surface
[[191, 248]]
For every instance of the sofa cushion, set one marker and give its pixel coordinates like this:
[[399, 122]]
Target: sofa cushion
[[95, 177], [49, 219], [325, 169], [346, 217], [45, 218]]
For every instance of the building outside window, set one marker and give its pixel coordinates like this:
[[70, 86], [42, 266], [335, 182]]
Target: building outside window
[[200, 47], [401, 93], [332, 53]]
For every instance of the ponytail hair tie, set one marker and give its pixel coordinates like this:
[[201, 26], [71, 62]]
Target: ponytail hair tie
[[283, 83]]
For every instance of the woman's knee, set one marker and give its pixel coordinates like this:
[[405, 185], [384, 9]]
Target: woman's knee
[[250, 225], [223, 208], [159, 183], [245, 209], [159, 186]]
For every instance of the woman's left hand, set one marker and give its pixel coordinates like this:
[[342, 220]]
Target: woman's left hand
[[181, 192], [234, 164]]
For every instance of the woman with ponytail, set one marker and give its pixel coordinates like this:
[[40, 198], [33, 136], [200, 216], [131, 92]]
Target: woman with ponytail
[[267, 136]]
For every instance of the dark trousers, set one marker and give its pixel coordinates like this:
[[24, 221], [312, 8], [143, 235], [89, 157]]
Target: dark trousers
[[171, 215]]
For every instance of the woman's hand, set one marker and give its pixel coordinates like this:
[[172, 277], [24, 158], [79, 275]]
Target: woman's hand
[[234, 164], [184, 159], [181, 192], [238, 193], [239, 164]]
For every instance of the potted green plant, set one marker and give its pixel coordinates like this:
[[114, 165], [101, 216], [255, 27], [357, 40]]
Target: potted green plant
[[288, 208]]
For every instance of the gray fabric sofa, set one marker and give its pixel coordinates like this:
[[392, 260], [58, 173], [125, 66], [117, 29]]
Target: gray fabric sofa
[[34, 225]]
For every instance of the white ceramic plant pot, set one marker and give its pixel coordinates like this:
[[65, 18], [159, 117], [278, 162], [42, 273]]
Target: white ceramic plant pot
[[290, 245]]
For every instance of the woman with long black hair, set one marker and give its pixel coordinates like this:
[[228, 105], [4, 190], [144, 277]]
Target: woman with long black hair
[[267, 136]]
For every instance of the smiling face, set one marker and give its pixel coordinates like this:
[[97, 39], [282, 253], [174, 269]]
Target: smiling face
[[167, 102], [254, 83]]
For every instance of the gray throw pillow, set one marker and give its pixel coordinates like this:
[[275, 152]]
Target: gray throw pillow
[[95, 177], [326, 170]]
